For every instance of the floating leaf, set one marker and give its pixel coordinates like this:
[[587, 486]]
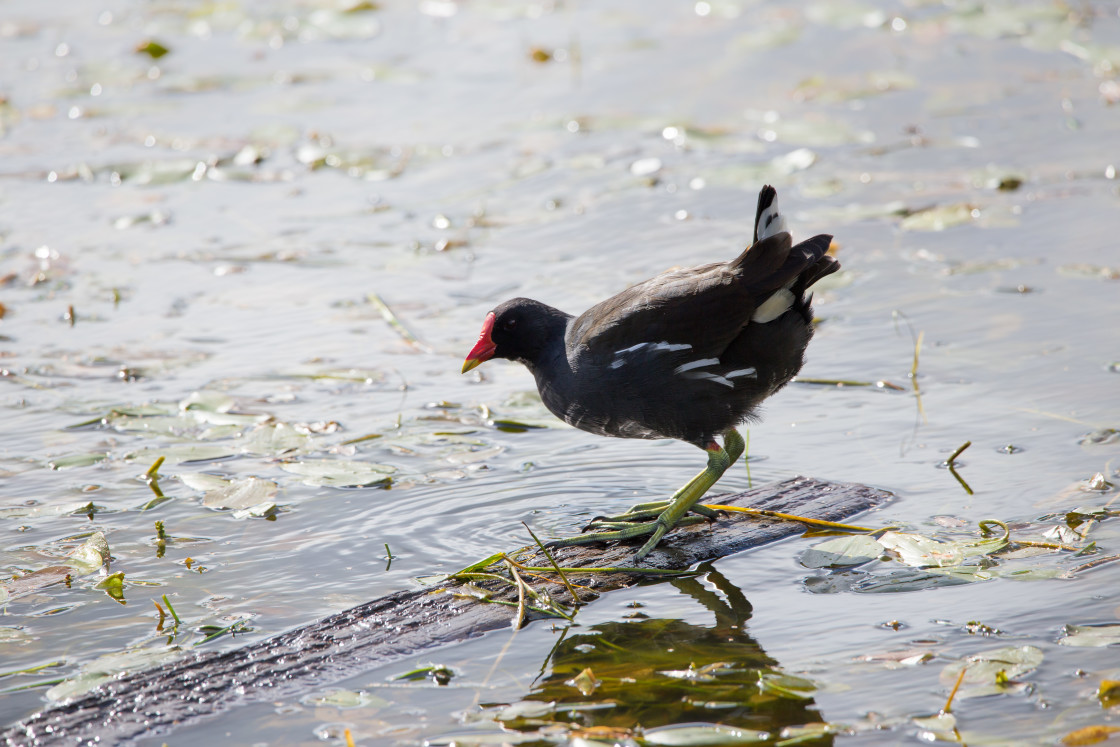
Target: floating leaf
[[1091, 635], [340, 698], [585, 682], [219, 492], [990, 672], [152, 48], [339, 474], [185, 453], [208, 401], [743, 174], [435, 672], [258, 511], [274, 439], [703, 736], [93, 554], [786, 686], [109, 666], [36, 580], [940, 218], [942, 723], [909, 579], [842, 552], [76, 460], [113, 585], [59, 509], [1108, 693], [920, 551], [1090, 271], [1089, 735]]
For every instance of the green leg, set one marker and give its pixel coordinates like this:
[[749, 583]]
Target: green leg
[[719, 459], [732, 443]]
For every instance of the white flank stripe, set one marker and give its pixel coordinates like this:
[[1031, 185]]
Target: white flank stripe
[[741, 372], [709, 377], [657, 347], [695, 364]]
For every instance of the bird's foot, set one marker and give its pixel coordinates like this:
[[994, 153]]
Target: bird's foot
[[612, 531], [644, 511]]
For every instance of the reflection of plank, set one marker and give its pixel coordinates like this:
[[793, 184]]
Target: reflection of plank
[[395, 626]]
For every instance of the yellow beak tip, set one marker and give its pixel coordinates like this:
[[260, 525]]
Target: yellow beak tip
[[470, 363]]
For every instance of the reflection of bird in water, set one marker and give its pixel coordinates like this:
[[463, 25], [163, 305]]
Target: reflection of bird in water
[[659, 672]]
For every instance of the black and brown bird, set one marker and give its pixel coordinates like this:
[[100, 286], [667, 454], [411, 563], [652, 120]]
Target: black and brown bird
[[688, 354]]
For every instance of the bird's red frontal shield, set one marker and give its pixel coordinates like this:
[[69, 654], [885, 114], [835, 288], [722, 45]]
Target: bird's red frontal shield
[[483, 350]]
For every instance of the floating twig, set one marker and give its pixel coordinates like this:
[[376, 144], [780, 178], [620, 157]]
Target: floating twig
[[786, 517], [360, 439], [388, 315], [956, 686], [965, 485], [917, 353], [953, 457], [520, 621], [152, 478], [1091, 564], [227, 629], [1046, 545], [32, 670], [174, 615], [951, 464], [559, 571]]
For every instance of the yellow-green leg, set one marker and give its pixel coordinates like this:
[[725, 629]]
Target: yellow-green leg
[[671, 513]]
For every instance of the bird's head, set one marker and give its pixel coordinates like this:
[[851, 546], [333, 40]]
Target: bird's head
[[519, 330]]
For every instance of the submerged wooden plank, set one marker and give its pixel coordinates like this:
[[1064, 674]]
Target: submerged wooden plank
[[154, 701]]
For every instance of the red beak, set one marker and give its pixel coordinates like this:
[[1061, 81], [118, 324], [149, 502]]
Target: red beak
[[483, 350]]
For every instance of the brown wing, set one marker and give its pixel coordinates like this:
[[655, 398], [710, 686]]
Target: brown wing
[[706, 307]]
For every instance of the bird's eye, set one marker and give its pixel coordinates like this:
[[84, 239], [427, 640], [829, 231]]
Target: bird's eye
[[509, 324]]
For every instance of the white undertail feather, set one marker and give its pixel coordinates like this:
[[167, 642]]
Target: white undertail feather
[[774, 307], [771, 222]]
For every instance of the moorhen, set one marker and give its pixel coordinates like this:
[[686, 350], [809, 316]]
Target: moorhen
[[688, 354]]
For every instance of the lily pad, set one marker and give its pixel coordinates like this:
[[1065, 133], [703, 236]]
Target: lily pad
[[842, 552], [76, 460], [93, 554], [341, 698], [109, 666], [336, 473], [185, 453], [57, 509], [940, 218], [35, 580], [1091, 635], [991, 672], [703, 735], [219, 492], [274, 439], [925, 552]]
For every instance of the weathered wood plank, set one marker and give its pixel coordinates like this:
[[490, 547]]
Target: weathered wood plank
[[154, 701]]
